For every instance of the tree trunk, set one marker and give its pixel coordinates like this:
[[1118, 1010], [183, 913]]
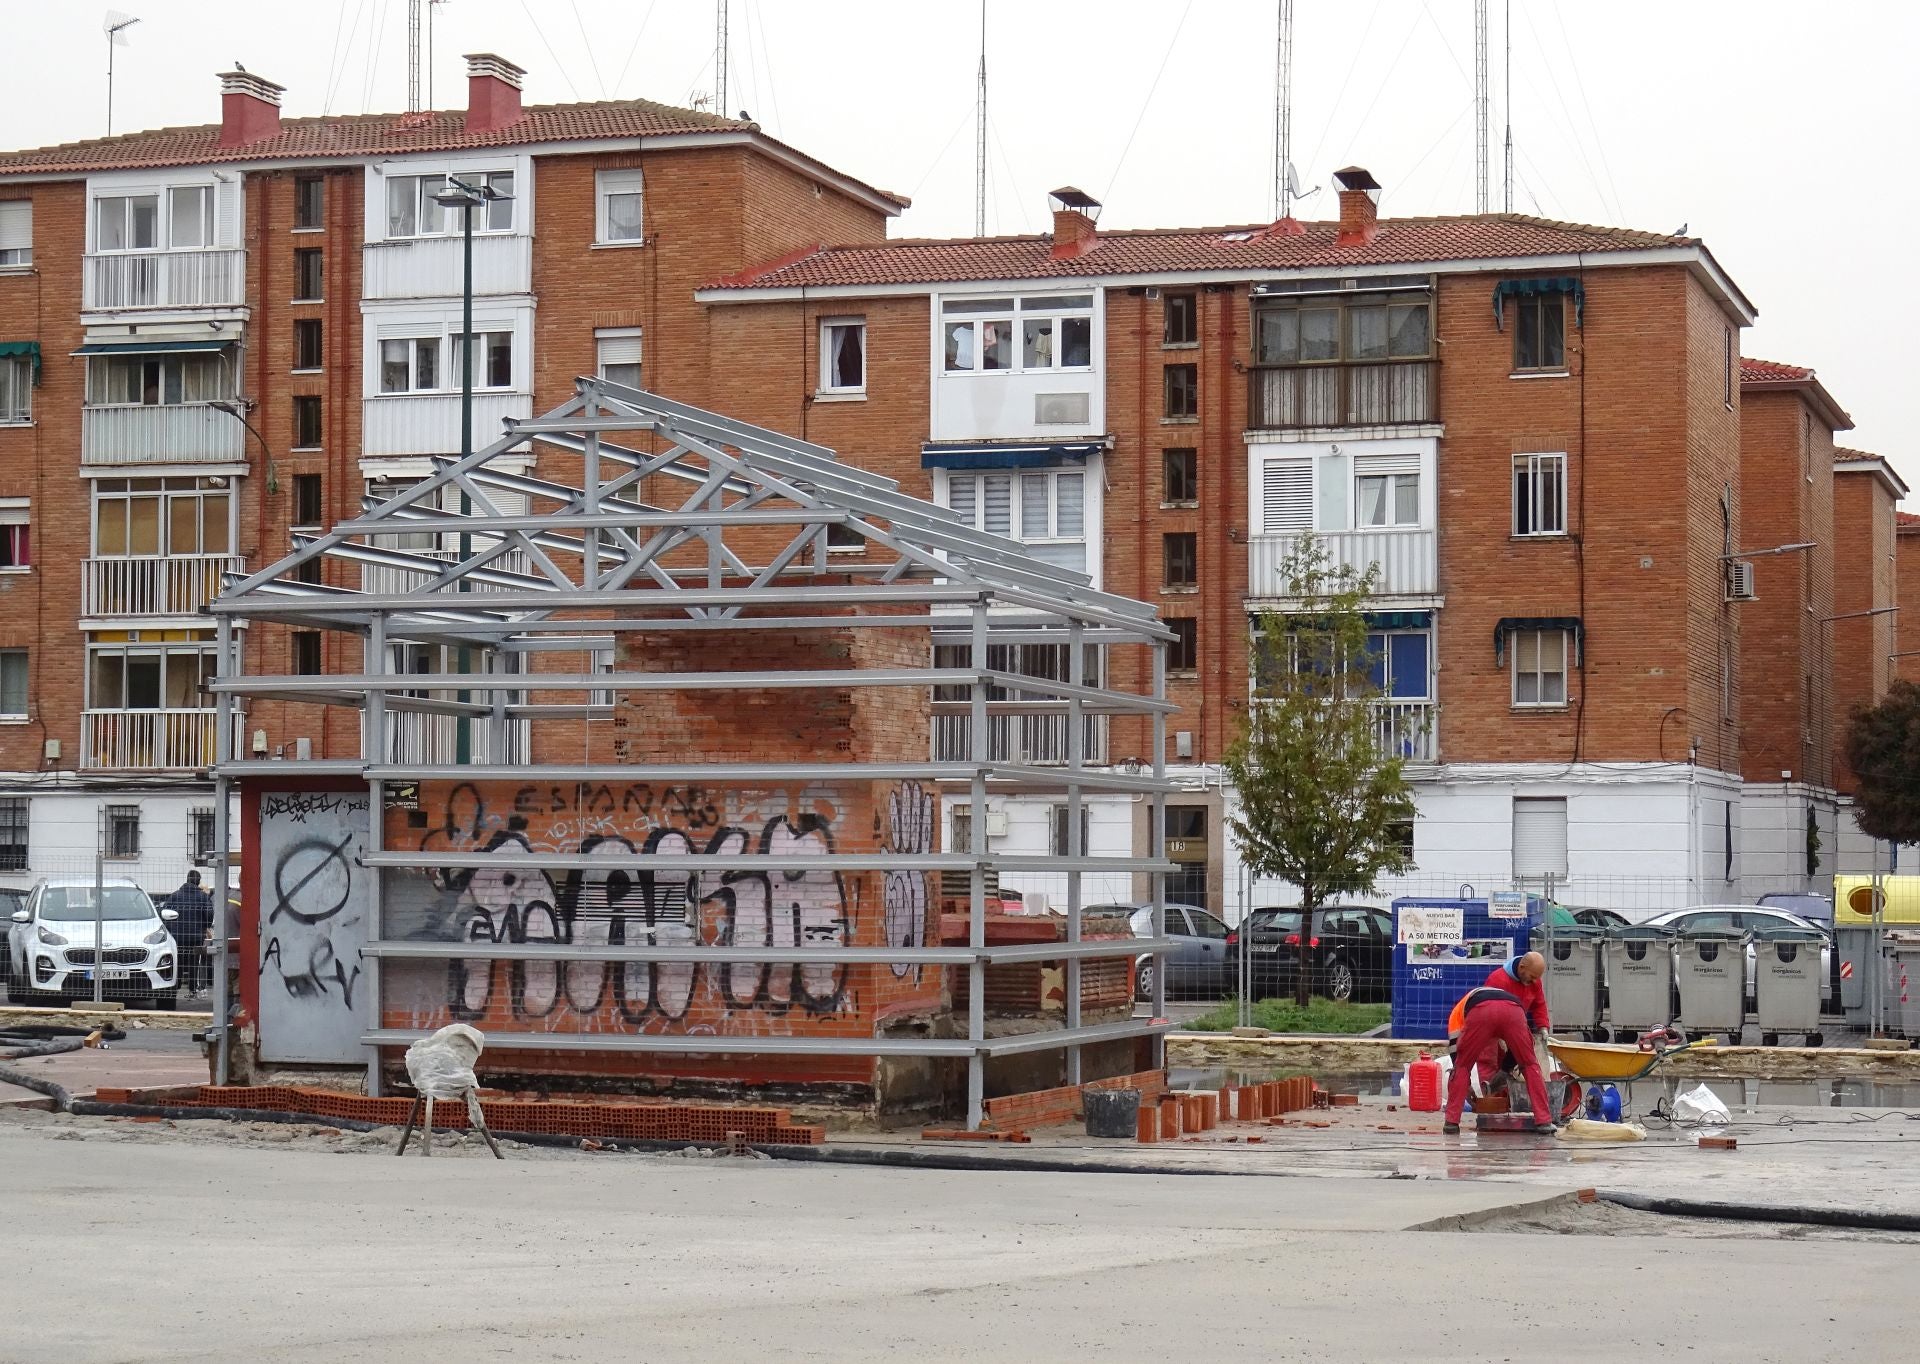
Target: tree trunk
[[1302, 985]]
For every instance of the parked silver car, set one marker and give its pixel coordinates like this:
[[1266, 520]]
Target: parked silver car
[[1197, 966], [1750, 919]]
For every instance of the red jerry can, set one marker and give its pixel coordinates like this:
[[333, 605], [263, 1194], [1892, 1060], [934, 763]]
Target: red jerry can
[[1423, 1085]]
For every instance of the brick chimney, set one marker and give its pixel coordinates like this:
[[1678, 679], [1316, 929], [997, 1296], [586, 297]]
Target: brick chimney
[[1074, 214], [1359, 206], [493, 92], [249, 108]]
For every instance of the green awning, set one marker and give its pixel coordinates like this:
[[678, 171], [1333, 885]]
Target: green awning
[[30, 349], [1529, 288], [212, 343]]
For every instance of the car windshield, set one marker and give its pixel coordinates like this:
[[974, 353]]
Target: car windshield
[[72, 903], [1278, 920]]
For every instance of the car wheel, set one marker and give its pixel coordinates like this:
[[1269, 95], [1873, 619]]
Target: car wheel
[[1339, 980], [167, 999], [1143, 980], [1815, 1039], [1769, 1039]]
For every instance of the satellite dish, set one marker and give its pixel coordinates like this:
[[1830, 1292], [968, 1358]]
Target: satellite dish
[[114, 26], [1293, 184]]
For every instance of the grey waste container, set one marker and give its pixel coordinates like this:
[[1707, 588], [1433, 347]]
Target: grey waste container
[[1854, 946], [1903, 983], [1789, 979], [1639, 967], [1710, 968], [1574, 956]]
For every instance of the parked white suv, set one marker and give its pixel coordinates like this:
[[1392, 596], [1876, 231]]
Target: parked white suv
[[50, 944]]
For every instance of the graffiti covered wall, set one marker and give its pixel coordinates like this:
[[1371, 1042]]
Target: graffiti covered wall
[[312, 922]]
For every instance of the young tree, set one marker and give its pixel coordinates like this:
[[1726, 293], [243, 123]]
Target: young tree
[[1883, 749], [1321, 801]]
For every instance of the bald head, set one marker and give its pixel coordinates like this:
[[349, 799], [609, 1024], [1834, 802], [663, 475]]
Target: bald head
[[1530, 968]]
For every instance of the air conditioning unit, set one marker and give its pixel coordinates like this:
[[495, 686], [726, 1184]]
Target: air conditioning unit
[[996, 824], [1740, 580], [1060, 409]]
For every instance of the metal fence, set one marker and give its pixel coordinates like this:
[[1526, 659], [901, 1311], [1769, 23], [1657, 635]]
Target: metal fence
[[128, 930]]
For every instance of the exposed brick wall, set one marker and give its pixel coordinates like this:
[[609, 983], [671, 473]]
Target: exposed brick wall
[[1786, 481], [1864, 578], [1907, 590]]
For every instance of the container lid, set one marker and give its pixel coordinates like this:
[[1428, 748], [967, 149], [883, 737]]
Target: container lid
[[1640, 931], [1713, 935], [1788, 933]]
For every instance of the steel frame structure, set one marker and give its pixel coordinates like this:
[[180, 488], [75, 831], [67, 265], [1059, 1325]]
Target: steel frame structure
[[595, 561]]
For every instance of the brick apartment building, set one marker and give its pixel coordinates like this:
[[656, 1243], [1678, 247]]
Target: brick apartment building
[[300, 270], [1538, 431], [1532, 428]]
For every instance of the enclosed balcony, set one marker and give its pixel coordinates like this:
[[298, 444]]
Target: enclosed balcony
[[154, 584], [429, 423], [1407, 560], [431, 267], [187, 433], [1395, 393], [1328, 356], [123, 280], [1035, 740]]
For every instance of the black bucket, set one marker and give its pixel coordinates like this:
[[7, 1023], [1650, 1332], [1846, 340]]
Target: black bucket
[[1113, 1113]]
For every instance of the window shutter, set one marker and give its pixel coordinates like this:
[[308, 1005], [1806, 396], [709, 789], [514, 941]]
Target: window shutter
[[1033, 506], [619, 347], [999, 498], [227, 200], [16, 225], [963, 495], [1539, 837], [1070, 504], [1386, 464], [1286, 492]]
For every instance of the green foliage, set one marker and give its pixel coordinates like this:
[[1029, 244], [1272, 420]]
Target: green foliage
[[1883, 749], [1285, 1015], [1320, 804]]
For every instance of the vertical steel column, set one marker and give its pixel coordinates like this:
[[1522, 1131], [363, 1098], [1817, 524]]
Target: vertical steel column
[[977, 878], [1157, 843], [590, 487], [1076, 845], [374, 663], [222, 839]]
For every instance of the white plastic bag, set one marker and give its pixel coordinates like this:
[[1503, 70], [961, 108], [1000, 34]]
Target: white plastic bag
[[1700, 1105], [441, 1066]]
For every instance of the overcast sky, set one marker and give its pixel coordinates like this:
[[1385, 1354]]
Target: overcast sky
[[1781, 133]]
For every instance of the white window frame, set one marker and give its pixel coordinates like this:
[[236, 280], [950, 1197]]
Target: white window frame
[[16, 511], [166, 652], [620, 341], [1392, 472], [963, 314], [495, 217], [16, 390], [124, 491], [1541, 673], [125, 199], [828, 388], [414, 344], [16, 235], [607, 185], [1534, 465], [11, 659], [455, 342], [1017, 529], [174, 367], [176, 194]]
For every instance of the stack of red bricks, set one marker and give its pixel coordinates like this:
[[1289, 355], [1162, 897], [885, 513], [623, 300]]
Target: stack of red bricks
[[1055, 1107], [1194, 1111], [615, 1121]]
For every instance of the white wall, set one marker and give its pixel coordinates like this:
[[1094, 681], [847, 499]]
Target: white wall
[[1030, 833], [63, 831], [999, 404]]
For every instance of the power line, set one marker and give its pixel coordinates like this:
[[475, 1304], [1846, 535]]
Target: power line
[[940, 155], [757, 17], [1013, 181], [593, 62], [326, 99], [374, 37], [1386, 79], [1579, 143], [638, 33], [558, 65], [1147, 103], [1359, 49], [1599, 143]]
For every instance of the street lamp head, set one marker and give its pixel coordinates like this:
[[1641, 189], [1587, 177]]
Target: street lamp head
[[459, 194], [222, 405]]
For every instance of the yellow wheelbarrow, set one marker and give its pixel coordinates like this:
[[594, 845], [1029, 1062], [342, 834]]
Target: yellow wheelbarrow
[[1618, 1064]]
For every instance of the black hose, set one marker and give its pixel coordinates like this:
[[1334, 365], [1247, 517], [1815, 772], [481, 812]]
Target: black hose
[[1798, 1214], [61, 1099]]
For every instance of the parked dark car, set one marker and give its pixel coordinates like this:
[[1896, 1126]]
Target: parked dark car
[[1598, 918], [1197, 966], [1349, 952]]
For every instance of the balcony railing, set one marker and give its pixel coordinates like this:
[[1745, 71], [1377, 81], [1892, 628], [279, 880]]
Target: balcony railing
[[429, 423], [166, 279], [1406, 559], [418, 739], [1407, 729], [381, 580], [149, 740], [1390, 393], [182, 433], [154, 584], [1026, 739], [430, 267]]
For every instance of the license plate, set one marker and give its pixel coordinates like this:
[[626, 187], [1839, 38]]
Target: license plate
[[109, 974], [1266, 947]]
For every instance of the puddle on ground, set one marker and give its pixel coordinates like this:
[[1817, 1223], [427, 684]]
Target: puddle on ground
[[1740, 1096]]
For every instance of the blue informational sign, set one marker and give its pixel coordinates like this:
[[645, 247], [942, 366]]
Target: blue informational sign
[[1444, 948]]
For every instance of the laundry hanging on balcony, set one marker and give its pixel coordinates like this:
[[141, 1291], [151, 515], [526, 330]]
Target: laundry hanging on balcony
[[1530, 288]]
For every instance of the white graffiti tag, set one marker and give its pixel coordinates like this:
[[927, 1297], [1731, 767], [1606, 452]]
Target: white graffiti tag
[[909, 833]]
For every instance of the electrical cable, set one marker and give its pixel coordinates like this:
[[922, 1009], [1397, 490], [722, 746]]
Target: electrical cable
[[1579, 143], [940, 155], [593, 62], [558, 65], [1147, 103], [1385, 80], [757, 18], [638, 33], [1359, 49], [1599, 144]]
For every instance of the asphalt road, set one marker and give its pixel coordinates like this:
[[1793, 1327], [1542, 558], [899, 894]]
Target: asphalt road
[[302, 1255]]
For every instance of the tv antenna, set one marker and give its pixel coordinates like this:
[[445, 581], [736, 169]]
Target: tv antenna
[[980, 136], [1286, 184], [720, 57], [1480, 105], [115, 27], [1506, 105]]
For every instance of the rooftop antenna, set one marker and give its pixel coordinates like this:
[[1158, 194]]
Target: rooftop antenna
[[980, 136], [115, 28], [1480, 105], [720, 57], [1286, 184], [1506, 95], [413, 55]]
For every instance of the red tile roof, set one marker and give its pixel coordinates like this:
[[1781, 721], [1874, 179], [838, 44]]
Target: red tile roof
[[1907, 519], [368, 135], [1408, 241], [1772, 372]]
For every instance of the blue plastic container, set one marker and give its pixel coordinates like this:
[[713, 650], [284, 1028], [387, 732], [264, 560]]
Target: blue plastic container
[[1429, 978], [1603, 1103]]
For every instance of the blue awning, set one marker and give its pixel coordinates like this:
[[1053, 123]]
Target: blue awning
[[212, 343], [1528, 288], [1000, 454]]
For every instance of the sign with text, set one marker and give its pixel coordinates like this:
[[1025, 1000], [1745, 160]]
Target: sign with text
[[1507, 904], [1431, 924]]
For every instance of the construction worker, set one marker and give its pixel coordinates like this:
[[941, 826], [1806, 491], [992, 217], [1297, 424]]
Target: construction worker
[[1494, 1019], [1521, 978]]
